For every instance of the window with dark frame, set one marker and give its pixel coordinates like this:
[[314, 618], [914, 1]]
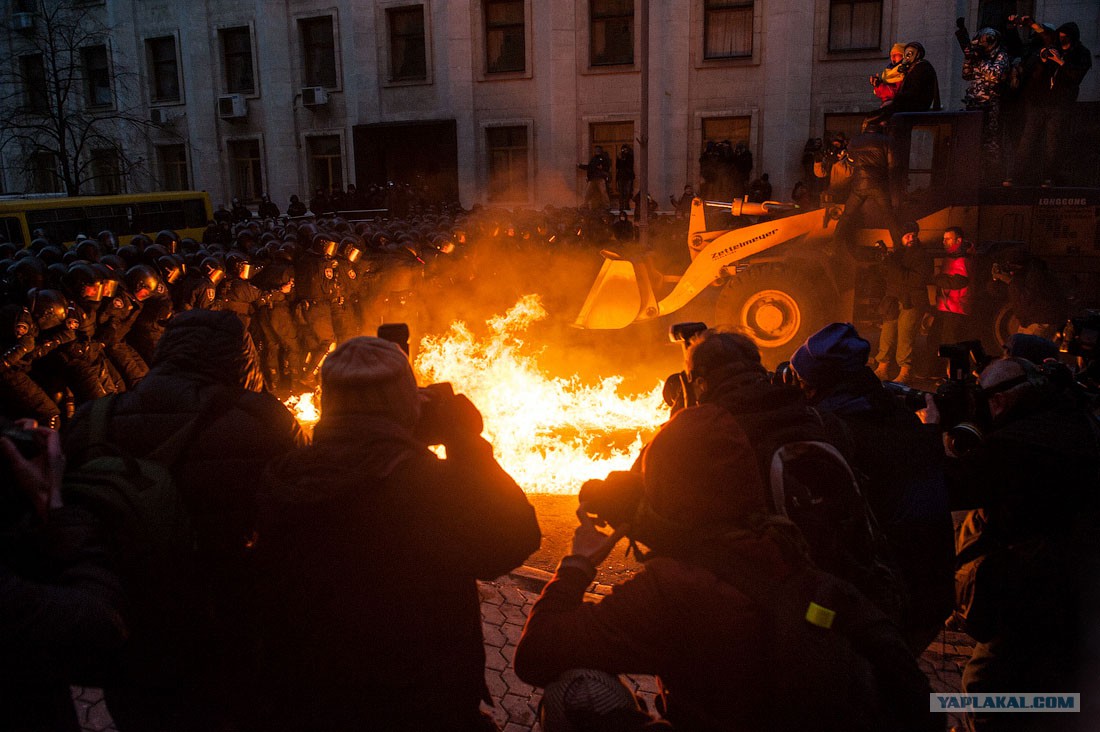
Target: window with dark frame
[[43, 173], [163, 69], [32, 70], [105, 169], [611, 30], [733, 129], [326, 162], [610, 136], [847, 123], [318, 51], [172, 160], [994, 13], [237, 60], [245, 172], [855, 25], [96, 71], [508, 167], [408, 51], [504, 36], [727, 28]]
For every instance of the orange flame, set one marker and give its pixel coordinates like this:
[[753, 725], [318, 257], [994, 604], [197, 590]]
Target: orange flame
[[550, 433]]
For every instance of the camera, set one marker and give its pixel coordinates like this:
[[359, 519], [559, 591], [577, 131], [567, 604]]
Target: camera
[[677, 392], [445, 415], [963, 406], [684, 332], [395, 333]]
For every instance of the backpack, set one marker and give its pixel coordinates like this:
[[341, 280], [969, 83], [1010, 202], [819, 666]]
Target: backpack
[[833, 660], [149, 529], [813, 485]]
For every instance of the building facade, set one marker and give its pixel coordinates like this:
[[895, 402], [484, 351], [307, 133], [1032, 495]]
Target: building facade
[[486, 101]]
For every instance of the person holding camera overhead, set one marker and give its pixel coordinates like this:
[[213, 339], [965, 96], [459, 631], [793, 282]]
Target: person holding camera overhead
[[986, 67], [1050, 89], [371, 548]]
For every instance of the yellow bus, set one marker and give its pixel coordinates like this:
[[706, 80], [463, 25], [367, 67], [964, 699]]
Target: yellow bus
[[127, 214]]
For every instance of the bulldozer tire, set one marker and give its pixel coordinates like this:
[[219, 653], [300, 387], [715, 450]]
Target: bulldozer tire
[[778, 308], [999, 328]]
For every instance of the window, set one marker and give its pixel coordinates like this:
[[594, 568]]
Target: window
[[43, 173], [318, 52], [237, 60], [849, 124], [732, 129], [612, 32], [855, 25], [32, 69], [727, 28], [163, 69], [994, 13], [97, 76], [172, 160], [504, 36], [326, 163], [104, 167], [408, 61], [611, 136], [507, 148], [245, 175]]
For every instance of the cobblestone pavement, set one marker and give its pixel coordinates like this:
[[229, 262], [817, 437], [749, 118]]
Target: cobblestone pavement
[[505, 604]]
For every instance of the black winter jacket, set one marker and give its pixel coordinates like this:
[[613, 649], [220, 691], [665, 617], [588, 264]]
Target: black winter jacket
[[371, 548], [203, 356]]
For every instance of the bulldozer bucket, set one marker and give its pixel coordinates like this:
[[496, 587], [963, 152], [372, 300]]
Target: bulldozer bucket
[[618, 296]]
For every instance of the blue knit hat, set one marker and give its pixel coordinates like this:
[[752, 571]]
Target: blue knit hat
[[834, 351]]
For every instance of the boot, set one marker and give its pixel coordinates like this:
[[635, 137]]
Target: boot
[[905, 376], [882, 371]]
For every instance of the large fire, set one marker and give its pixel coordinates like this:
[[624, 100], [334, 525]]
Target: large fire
[[550, 433]]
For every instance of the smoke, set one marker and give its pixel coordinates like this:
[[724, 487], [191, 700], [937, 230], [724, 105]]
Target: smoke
[[561, 277]]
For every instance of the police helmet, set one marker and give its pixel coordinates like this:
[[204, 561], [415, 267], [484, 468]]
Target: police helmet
[[48, 308], [143, 282]]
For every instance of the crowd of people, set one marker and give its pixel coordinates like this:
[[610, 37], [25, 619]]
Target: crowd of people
[[82, 323], [795, 530], [170, 535]]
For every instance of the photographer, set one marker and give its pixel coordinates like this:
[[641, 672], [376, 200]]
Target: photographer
[[908, 272], [59, 597], [832, 164], [704, 613], [371, 547], [1050, 92], [986, 67], [901, 464], [1028, 556]]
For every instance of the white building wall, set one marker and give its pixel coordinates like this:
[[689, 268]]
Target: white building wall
[[786, 87]]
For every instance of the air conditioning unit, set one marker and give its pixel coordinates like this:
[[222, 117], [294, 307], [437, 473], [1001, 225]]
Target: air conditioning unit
[[22, 21], [160, 116], [232, 106], [314, 96]]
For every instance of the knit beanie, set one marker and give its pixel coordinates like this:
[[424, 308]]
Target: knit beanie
[[832, 352], [368, 375], [700, 470]]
